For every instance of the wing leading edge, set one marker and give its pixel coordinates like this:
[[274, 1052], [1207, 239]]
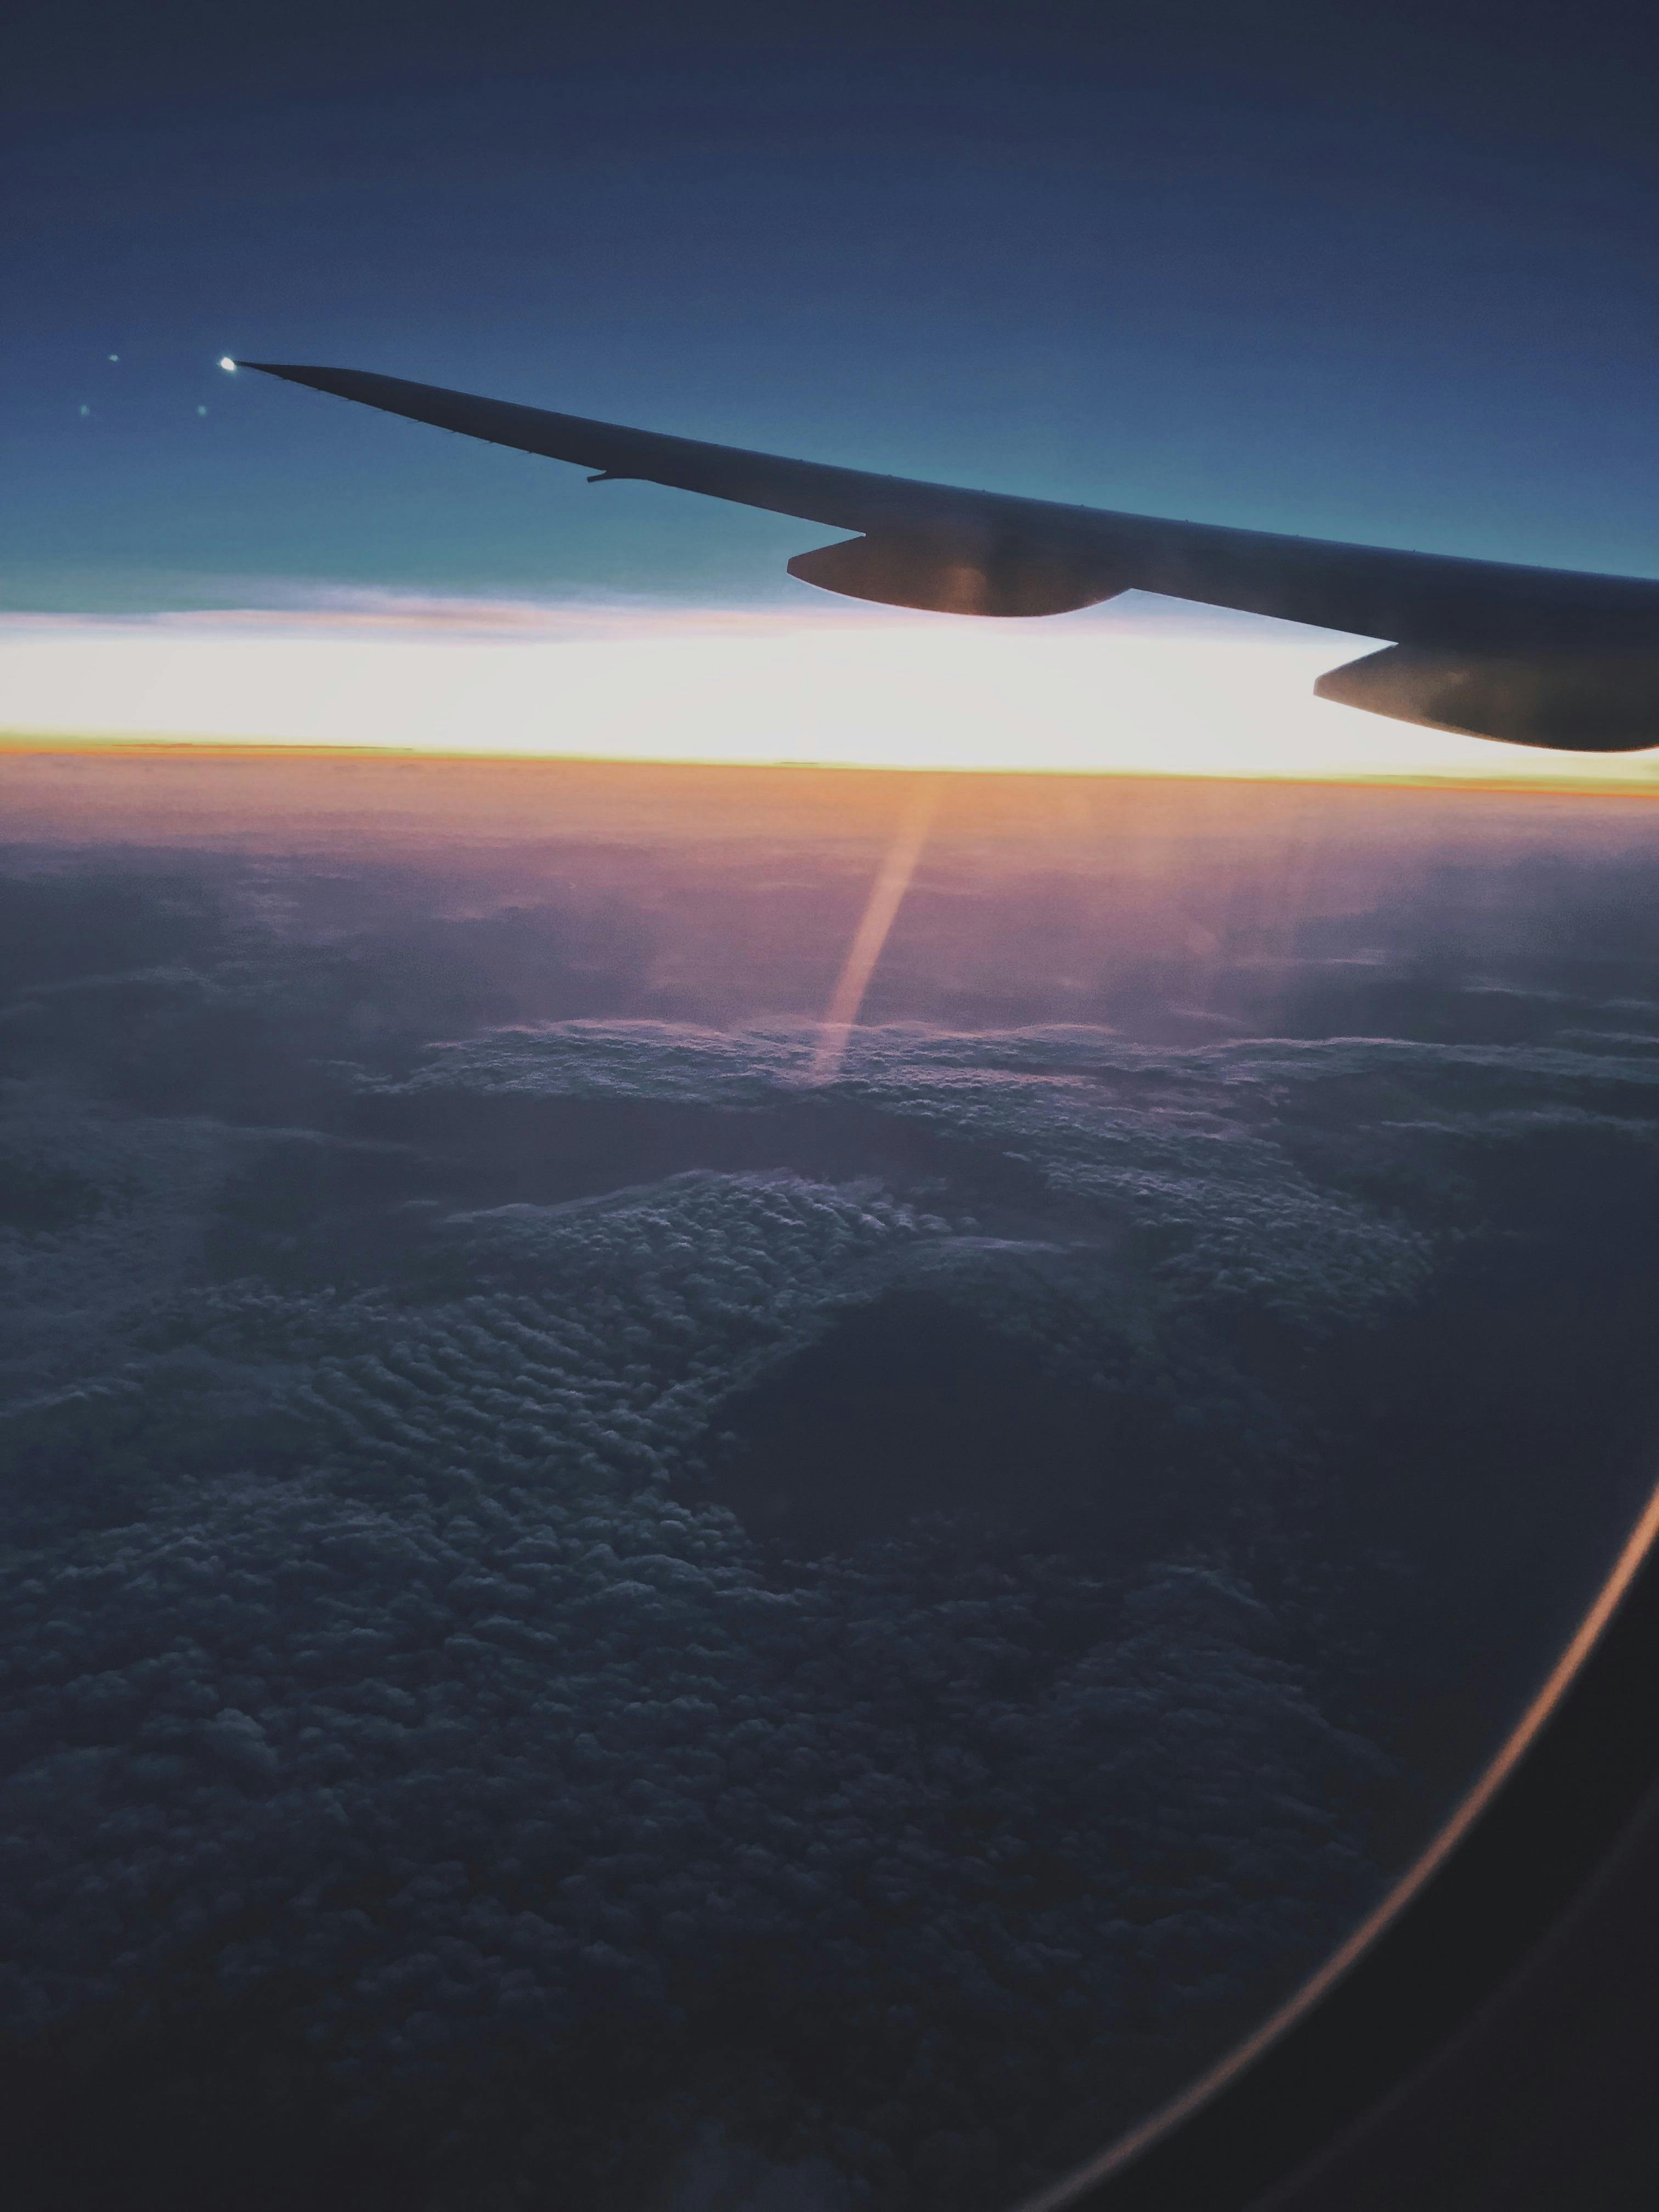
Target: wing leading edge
[[1555, 658]]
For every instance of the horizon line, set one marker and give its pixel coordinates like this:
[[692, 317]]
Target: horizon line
[[1553, 783]]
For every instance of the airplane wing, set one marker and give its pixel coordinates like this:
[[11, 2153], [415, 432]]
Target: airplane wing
[[1555, 658]]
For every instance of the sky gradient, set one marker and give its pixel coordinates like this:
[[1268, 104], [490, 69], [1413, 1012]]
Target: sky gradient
[[1214, 265]]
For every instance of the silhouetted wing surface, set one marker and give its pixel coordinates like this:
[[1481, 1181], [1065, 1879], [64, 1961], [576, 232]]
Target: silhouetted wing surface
[[1556, 658]]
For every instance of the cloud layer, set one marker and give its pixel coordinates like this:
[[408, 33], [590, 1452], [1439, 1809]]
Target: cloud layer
[[411, 1681]]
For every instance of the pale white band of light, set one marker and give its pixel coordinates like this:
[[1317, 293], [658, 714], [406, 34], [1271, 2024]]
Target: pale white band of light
[[1119, 687]]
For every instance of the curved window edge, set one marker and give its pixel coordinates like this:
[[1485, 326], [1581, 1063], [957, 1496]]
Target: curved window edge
[[1572, 1792]]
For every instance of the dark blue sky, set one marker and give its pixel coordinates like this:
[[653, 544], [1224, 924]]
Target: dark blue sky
[[1390, 279]]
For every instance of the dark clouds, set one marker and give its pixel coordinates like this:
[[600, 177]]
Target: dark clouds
[[532, 1774], [429, 1758]]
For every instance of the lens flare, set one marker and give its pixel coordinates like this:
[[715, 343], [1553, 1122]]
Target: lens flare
[[880, 913]]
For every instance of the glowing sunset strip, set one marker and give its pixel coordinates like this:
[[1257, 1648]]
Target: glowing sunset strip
[[1114, 689]]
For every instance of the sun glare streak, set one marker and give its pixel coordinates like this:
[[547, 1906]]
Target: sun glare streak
[[875, 925]]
